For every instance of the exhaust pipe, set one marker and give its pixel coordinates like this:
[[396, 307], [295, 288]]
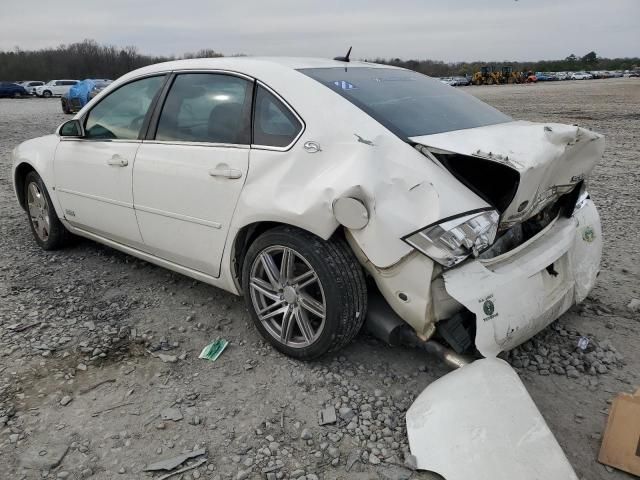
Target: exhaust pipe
[[385, 324]]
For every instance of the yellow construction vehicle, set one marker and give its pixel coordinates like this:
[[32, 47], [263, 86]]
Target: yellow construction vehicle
[[487, 75], [508, 76]]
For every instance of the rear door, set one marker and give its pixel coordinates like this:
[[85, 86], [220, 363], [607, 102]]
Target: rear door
[[189, 173], [94, 173]]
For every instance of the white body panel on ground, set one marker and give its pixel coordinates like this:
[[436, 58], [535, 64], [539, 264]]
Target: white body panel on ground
[[479, 422]]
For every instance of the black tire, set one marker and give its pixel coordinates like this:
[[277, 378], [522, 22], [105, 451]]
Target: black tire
[[46, 94], [57, 235], [341, 279]]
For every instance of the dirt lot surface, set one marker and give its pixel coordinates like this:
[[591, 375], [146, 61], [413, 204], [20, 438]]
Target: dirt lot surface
[[99, 368]]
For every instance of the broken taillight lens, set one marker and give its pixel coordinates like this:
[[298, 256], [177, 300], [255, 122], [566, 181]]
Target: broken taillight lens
[[451, 241]]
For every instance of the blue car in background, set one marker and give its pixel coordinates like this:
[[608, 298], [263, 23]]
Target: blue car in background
[[80, 94], [9, 89]]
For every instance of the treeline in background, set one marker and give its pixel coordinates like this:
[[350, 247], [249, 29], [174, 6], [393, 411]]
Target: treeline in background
[[572, 63], [88, 59]]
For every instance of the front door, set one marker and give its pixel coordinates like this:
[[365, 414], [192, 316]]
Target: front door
[[188, 177], [94, 173]]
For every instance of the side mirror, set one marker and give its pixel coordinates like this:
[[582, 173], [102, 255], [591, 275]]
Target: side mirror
[[72, 128]]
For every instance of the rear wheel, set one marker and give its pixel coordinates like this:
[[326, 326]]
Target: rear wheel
[[305, 295], [46, 227]]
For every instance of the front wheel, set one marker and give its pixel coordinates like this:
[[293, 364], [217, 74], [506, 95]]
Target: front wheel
[[305, 295], [46, 94], [46, 227]]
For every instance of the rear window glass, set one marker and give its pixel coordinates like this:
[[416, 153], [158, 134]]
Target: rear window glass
[[407, 103], [273, 125]]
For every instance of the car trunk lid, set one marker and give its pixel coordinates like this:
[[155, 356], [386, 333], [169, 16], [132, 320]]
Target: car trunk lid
[[550, 158]]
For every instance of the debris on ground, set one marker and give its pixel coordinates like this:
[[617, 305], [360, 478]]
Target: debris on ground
[[621, 442], [327, 416], [214, 349], [173, 414], [173, 462], [561, 350]]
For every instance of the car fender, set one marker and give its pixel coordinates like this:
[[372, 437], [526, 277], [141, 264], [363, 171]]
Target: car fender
[[402, 190], [38, 153]]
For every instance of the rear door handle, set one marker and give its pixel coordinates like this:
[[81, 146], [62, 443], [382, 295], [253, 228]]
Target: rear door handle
[[226, 172], [118, 161]]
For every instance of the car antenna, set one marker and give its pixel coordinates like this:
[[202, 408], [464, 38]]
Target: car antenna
[[345, 58]]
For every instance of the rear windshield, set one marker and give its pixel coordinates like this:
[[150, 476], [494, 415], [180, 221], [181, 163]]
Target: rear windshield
[[407, 103]]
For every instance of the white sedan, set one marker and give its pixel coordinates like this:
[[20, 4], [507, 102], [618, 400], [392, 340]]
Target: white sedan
[[293, 181], [327, 192]]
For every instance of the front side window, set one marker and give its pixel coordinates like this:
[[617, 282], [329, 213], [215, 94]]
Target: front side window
[[207, 107], [121, 114], [407, 103], [274, 125]]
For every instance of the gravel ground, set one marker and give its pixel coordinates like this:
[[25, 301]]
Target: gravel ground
[[99, 374]]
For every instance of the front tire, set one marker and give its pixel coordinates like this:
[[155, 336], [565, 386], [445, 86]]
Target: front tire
[[305, 295], [46, 94], [46, 227]]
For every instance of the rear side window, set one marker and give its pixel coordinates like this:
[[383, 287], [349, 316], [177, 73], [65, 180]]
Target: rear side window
[[207, 107], [274, 124]]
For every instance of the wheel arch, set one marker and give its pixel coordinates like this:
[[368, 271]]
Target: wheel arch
[[246, 235], [20, 175]]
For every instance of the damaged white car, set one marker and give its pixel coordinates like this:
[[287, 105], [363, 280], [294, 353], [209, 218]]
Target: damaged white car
[[317, 188]]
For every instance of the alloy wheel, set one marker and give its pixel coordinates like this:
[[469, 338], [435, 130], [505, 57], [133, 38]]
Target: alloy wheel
[[38, 211], [287, 296]]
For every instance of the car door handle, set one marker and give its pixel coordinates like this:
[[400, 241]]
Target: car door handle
[[118, 161], [226, 172]]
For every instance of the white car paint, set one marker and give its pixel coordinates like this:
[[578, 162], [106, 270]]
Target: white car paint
[[166, 202], [30, 86], [580, 76], [489, 288], [57, 88], [479, 422], [404, 190]]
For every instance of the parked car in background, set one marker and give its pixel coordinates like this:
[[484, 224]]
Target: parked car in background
[[30, 86], [448, 81], [581, 76], [462, 81], [562, 75], [80, 94], [9, 89], [546, 77], [55, 88]]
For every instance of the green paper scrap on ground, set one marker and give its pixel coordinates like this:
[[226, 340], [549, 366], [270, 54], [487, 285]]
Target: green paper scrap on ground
[[214, 349]]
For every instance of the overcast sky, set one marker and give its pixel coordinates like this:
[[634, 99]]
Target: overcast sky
[[448, 30]]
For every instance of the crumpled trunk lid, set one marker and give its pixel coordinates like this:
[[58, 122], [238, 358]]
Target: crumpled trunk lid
[[551, 158]]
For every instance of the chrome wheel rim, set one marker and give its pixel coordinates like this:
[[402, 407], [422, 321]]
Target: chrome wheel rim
[[38, 211], [287, 296]]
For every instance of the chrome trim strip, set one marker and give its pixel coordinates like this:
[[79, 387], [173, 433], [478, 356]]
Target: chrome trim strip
[[178, 216], [196, 144], [93, 140], [96, 197]]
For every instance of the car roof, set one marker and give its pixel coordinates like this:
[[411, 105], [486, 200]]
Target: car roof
[[253, 66]]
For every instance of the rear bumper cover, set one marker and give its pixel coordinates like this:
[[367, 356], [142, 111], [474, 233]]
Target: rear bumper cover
[[516, 295]]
